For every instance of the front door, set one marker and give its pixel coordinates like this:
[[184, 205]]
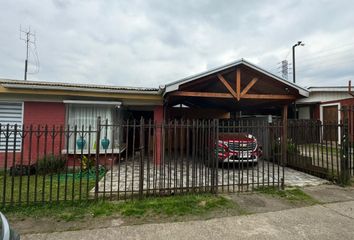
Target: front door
[[330, 121]]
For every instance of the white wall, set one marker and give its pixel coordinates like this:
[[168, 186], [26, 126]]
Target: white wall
[[324, 97]]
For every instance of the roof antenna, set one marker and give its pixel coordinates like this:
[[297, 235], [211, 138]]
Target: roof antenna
[[29, 37]]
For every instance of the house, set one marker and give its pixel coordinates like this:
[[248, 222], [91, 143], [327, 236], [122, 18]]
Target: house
[[46, 107], [325, 104], [236, 90]]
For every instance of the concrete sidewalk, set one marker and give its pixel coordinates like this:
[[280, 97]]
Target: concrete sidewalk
[[328, 221]]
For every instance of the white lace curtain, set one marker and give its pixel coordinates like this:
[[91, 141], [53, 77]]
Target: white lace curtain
[[85, 115]]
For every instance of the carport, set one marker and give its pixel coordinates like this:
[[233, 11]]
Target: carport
[[182, 151], [226, 91], [233, 91]]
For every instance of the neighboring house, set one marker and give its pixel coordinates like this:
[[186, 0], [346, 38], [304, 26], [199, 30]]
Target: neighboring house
[[325, 104], [229, 91]]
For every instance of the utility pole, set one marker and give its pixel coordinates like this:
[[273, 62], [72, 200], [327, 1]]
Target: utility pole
[[299, 43], [28, 36]]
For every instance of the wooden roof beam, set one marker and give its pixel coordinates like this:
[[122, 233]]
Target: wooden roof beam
[[227, 85], [200, 94], [269, 96], [238, 83], [228, 95], [249, 86]]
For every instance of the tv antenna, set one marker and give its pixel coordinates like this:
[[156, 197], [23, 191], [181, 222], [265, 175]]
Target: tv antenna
[[29, 37]]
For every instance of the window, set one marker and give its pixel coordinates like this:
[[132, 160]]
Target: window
[[304, 112], [10, 116], [83, 117]]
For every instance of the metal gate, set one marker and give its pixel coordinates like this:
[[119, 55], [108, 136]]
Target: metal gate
[[194, 156]]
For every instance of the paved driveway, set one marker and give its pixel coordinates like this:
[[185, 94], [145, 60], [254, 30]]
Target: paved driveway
[[125, 177]]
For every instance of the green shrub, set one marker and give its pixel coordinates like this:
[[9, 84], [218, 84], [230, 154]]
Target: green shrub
[[87, 163], [291, 146], [51, 164]]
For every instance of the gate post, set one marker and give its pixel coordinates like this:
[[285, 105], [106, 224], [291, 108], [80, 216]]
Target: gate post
[[141, 149], [98, 136], [344, 177], [214, 158], [158, 122], [284, 143]]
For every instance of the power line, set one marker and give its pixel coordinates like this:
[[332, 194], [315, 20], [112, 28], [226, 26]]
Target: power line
[[333, 64], [287, 55], [328, 50], [327, 53], [319, 57], [332, 58], [317, 60], [319, 54]]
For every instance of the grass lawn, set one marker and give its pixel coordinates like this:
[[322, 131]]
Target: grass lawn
[[321, 149], [40, 188], [294, 195], [148, 208], [70, 216]]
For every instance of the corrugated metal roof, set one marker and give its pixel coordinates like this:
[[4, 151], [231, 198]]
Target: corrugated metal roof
[[10, 83]]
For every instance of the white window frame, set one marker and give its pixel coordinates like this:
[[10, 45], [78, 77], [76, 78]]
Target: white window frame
[[21, 124], [115, 150]]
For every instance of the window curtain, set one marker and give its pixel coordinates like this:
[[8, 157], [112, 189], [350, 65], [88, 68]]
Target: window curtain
[[82, 117]]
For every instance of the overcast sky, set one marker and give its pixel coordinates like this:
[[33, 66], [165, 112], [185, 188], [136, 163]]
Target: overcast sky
[[149, 43]]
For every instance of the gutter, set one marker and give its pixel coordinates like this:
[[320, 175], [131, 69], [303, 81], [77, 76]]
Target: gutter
[[100, 90]]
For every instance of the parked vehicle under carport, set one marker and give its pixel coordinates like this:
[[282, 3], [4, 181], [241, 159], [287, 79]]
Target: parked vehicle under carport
[[238, 148]]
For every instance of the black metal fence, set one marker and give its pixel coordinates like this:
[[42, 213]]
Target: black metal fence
[[135, 159], [323, 149]]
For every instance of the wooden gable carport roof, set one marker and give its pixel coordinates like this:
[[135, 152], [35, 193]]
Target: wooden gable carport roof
[[222, 87], [174, 86]]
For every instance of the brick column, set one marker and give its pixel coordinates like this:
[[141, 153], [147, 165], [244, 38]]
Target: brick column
[[158, 119]]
